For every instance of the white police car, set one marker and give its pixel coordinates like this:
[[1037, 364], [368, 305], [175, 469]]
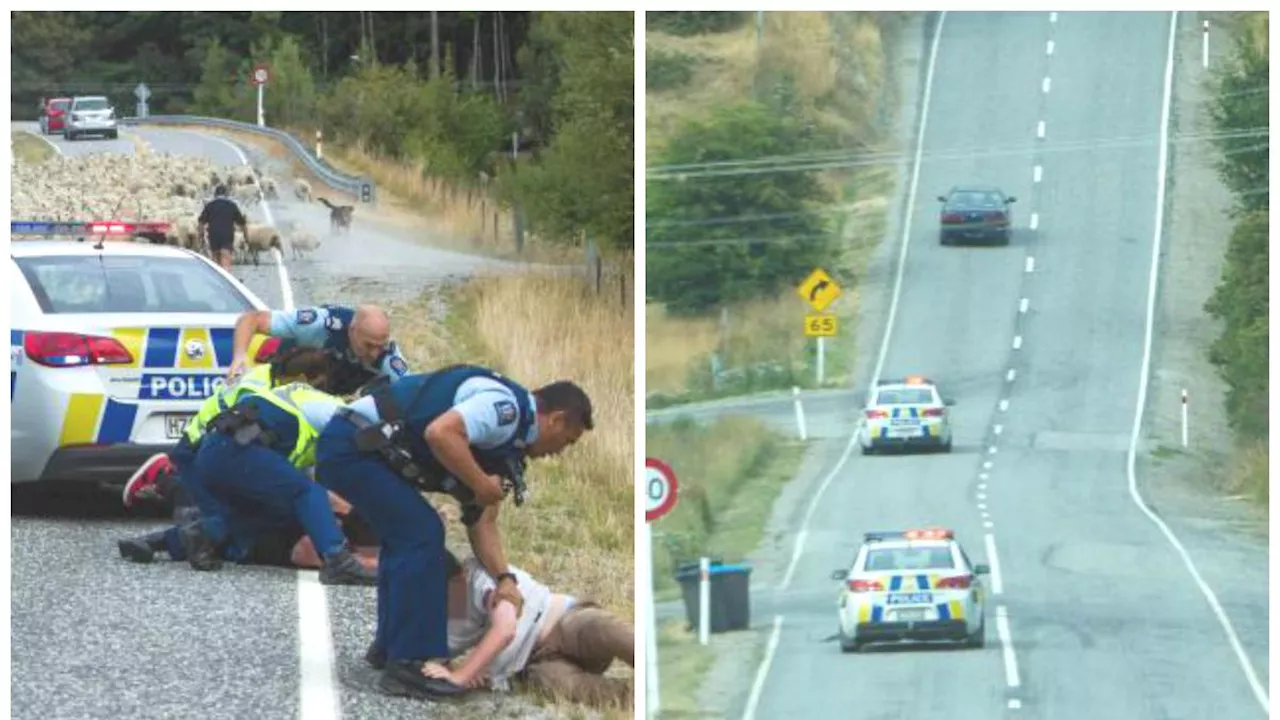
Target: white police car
[[113, 347], [913, 585], [902, 413]]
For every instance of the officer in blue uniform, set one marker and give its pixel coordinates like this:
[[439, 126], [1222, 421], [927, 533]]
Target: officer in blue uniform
[[456, 431], [357, 339], [249, 479]]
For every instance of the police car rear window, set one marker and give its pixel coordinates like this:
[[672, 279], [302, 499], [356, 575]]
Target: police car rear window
[[905, 396], [104, 284], [909, 558]]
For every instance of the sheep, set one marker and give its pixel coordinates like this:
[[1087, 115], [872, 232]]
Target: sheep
[[302, 190], [262, 238], [303, 243]]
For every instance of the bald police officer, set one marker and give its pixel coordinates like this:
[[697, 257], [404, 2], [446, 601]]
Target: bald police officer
[[358, 341], [445, 431]]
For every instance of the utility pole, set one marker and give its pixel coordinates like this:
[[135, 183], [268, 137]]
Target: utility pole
[[435, 45]]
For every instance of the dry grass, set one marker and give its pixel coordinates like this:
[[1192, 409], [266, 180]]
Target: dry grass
[[576, 531], [1248, 473], [30, 149], [682, 664]]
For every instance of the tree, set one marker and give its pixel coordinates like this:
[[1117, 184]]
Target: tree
[[1241, 301], [722, 239], [1241, 115], [215, 95]]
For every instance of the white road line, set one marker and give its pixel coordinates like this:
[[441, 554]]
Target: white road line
[[992, 450], [1040, 129], [1038, 173], [1004, 406], [982, 506], [1246, 665], [988, 524], [1006, 642], [1035, 220], [1048, 48], [998, 429], [1009, 376], [1053, 17], [47, 141], [893, 303], [753, 700], [986, 465], [981, 496], [1031, 263], [993, 560], [1017, 342], [1024, 304], [319, 698], [1015, 704], [1044, 85]]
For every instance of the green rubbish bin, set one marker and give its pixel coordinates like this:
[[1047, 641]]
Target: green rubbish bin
[[730, 601]]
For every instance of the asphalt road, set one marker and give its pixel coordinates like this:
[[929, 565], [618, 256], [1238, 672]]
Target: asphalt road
[[96, 637], [1103, 618]]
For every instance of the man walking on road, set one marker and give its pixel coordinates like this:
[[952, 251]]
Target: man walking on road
[[217, 224], [358, 341]]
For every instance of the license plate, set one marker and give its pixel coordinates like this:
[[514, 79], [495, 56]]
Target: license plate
[[907, 431], [911, 615], [904, 422], [175, 425], [921, 598]]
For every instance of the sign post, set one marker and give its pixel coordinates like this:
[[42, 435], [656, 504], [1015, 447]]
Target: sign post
[[819, 290], [660, 496], [143, 93], [261, 75]]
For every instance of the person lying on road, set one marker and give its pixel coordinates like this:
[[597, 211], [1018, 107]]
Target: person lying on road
[[559, 645]]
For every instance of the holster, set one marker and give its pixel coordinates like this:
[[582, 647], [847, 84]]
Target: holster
[[241, 423]]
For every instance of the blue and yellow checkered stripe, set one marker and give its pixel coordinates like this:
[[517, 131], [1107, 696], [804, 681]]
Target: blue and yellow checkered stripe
[[92, 418], [951, 610], [162, 347], [911, 412]]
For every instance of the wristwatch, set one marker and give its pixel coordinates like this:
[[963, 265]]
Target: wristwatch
[[507, 576]]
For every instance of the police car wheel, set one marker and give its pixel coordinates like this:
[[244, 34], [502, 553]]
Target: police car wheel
[[869, 449], [849, 646], [979, 638]]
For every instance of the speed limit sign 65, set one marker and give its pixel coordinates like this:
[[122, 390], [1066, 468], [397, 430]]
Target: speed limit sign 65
[[659, 489]]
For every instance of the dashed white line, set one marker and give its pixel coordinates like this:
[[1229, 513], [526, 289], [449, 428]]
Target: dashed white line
[[1009, 376], [1044, 85], [1038, 173], [982, 485], [1015, 704], [1004, 406], [1006, 641], [1031, 263], [1035, 220], [1048, 48], [1053, 17], [997, 585], [1040, 129], [753, 700], [982, 506], [998, 429], [986, 465], [1017, 342], [1024, 304], [988, 524], [981, 496], [992, 450], [318, 685]]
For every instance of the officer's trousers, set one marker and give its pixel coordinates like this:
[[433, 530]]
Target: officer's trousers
[[243, 490], [412, 590]]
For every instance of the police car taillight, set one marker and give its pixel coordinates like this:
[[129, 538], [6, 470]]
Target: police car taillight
[[931, 412], [876, 414], [865, 586], [267, 350], [954, 583], [62, 349]]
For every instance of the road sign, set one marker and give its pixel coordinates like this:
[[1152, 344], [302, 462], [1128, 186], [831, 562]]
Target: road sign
[[142, 92], [819, 289], [820, 325], [659, 489], [261, 75]]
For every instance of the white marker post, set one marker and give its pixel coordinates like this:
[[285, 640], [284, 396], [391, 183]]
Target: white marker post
[[822, 359], [804, 432], [1184, 417], [260, 77], [1204, 54], [660, 496], [704, 600], [319, 145]]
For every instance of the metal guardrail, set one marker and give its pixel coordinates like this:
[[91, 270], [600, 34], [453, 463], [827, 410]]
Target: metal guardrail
[[361, 187]]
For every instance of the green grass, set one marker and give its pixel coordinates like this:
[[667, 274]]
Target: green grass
[[682, 667], [30, 149], [730, 473]]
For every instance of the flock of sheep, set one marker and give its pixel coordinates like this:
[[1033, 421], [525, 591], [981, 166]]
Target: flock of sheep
[[153, 187]]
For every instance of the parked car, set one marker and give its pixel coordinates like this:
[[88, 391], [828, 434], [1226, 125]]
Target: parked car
[[53, 115], [91, 115]]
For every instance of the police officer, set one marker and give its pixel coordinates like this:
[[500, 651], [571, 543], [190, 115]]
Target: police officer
[[449, 431], [217, 224], [160, 475], [249, 478], [358, 339]]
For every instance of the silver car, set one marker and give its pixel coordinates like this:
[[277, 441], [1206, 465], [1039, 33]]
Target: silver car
[[113, 348], [90, 115]]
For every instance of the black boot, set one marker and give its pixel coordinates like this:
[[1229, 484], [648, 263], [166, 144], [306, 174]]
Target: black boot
[[202, 554], [375, 656], [142, 549], [403, 678], [342, 568]]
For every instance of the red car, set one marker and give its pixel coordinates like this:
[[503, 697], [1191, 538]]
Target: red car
[[53, 115]]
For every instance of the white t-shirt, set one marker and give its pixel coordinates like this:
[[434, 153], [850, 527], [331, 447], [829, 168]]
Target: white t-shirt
[[465, 633]]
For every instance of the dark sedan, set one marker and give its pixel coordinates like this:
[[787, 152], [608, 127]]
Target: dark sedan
[[976, 214]]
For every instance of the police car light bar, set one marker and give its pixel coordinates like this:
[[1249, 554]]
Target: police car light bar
[[98, 227], [923, 534], [44, 227]]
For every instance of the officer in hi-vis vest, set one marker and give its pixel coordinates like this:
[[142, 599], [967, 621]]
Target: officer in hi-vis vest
[[358, 339], [462, 430], [248, 478]]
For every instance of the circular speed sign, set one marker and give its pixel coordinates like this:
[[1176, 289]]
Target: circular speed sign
[[659, 489], [261, 75]]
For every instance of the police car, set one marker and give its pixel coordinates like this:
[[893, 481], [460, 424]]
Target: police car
[[113, 347], [912, 585], [907, 412]]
